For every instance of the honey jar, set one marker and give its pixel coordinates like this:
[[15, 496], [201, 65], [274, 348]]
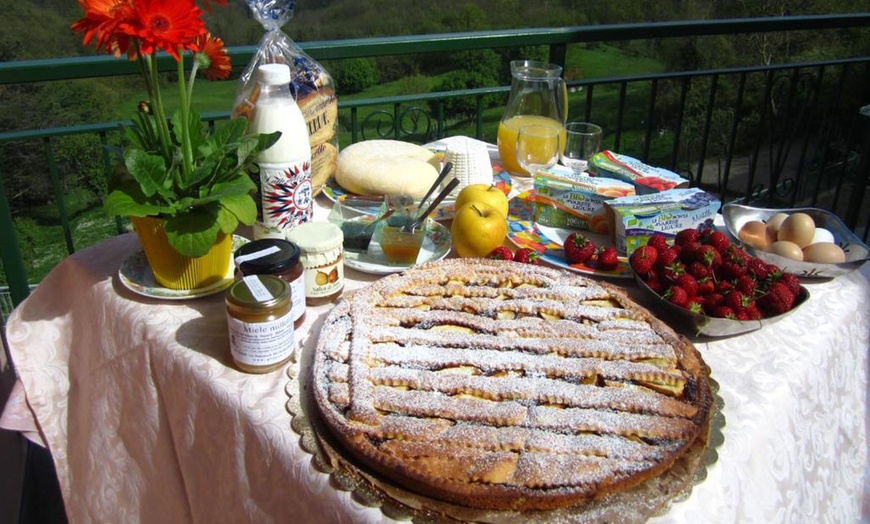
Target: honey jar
[[322, 259], [278, 257], [260, 322]]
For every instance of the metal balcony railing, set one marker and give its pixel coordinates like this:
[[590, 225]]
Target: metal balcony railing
[[782, 134]]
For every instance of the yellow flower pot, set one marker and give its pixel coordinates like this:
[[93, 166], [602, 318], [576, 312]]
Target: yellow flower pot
[[175, 271]]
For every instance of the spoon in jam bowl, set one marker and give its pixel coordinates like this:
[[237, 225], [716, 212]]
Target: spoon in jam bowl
[[412, 226], [441, 176]]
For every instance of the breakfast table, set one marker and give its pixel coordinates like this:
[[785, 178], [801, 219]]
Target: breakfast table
[[148, 420]]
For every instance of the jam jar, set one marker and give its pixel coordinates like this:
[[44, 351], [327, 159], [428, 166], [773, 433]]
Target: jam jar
[[260, 323], [322, 258], [278, 257]]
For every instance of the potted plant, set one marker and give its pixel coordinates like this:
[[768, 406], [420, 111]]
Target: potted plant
[[184, 188]]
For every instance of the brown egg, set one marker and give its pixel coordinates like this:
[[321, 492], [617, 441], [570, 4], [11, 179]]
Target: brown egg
[[754, 233], [775, 221], [798, 228], [824, 253], [786, 249]]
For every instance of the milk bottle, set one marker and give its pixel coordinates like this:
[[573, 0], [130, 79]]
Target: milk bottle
[[285, 168]]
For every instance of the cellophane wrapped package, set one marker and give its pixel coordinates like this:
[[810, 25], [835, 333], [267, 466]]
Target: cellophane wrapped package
[[311, 84]]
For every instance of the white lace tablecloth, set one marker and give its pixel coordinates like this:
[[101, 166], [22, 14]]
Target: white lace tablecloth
[[148, 421]]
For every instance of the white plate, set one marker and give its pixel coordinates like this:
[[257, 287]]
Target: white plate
[[136, 275], [435, 246]]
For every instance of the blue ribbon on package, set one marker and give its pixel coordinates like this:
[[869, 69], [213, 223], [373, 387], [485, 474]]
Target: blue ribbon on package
[[272, 14]]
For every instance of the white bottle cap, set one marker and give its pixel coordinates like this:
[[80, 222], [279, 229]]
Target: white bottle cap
[[273, 74]]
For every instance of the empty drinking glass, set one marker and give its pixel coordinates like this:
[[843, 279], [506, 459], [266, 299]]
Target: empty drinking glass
[[582, 140]]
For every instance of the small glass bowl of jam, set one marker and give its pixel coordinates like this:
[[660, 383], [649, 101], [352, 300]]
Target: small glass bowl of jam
[[357, 217], [400, 245]]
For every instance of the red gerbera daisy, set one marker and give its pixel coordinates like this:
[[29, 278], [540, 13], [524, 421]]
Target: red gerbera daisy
[[212, 56], [170, 25], [102, 22]]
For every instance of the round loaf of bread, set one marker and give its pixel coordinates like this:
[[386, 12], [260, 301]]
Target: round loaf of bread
[[386, 167]]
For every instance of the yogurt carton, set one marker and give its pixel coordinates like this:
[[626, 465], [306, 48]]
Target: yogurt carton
[[645, 178], [634, 219], [565, 200]]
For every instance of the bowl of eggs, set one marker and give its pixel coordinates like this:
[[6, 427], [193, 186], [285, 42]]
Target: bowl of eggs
[[808, 242]]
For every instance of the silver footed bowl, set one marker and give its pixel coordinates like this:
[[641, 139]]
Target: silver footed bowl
[[735, 215]]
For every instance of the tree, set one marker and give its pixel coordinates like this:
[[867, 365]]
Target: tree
[[355, 74]]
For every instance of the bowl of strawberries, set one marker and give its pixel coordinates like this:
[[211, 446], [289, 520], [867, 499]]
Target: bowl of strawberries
[[712, 286]]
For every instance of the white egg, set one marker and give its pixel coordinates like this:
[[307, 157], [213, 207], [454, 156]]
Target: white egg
[[822, 235]]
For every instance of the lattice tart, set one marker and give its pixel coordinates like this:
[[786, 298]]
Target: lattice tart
[[507, 386]]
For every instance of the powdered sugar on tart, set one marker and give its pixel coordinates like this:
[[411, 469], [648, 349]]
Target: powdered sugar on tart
[[499, 385]]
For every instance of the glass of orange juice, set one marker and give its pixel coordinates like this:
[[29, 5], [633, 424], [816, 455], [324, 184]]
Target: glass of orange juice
[[507, 139], [538, 146]]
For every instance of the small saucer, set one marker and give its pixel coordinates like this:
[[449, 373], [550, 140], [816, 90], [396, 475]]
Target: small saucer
[[136, 275]]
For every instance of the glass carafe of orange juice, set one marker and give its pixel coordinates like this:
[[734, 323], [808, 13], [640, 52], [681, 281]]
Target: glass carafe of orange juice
[[538, 96]]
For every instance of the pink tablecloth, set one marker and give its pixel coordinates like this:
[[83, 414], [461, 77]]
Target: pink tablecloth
[[147, 420]]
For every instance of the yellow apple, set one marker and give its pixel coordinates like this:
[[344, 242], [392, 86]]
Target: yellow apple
[[477, 229], [485, 193]]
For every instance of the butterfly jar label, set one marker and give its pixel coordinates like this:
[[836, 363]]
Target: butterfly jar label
[[322, 259]]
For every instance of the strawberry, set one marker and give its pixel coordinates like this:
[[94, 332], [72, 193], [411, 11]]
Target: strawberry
[[735, 300], [687, 235], [673, 271], [527, 256], [723, 312], [696, 304], [687, 282], [659, 242], [699, 270], [746, 285], [713, 301], [687, 253], [578, 248], [500, 253], [706, 286], [607, 259], [735, 253], [708, 256], [656, 284], [668, 257], [724, 286], [752, 311], [643, 259], [762, 270], [777, 301], [719, 241], [677, 296], [732, 268], [792, 282]]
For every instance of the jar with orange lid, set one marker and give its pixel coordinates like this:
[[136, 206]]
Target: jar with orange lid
[[323, 260], [260, 322], [278, 257]]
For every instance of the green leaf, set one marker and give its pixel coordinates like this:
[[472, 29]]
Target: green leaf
[[195, 232], [242, 206], [148, 170], [128, 200]]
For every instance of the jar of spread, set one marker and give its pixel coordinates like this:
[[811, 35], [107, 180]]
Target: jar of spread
[[322, 258], [274, 256], [260, 323]]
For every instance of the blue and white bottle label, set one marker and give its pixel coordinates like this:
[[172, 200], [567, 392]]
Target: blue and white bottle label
[[286, 197]]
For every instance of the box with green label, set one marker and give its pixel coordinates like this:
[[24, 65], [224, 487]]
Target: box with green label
[[634, 219], [574, 203]]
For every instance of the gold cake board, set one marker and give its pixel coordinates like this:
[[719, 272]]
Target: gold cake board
[[634, 505]]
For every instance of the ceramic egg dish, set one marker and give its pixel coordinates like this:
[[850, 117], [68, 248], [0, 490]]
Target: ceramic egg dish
[[808, 242]]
